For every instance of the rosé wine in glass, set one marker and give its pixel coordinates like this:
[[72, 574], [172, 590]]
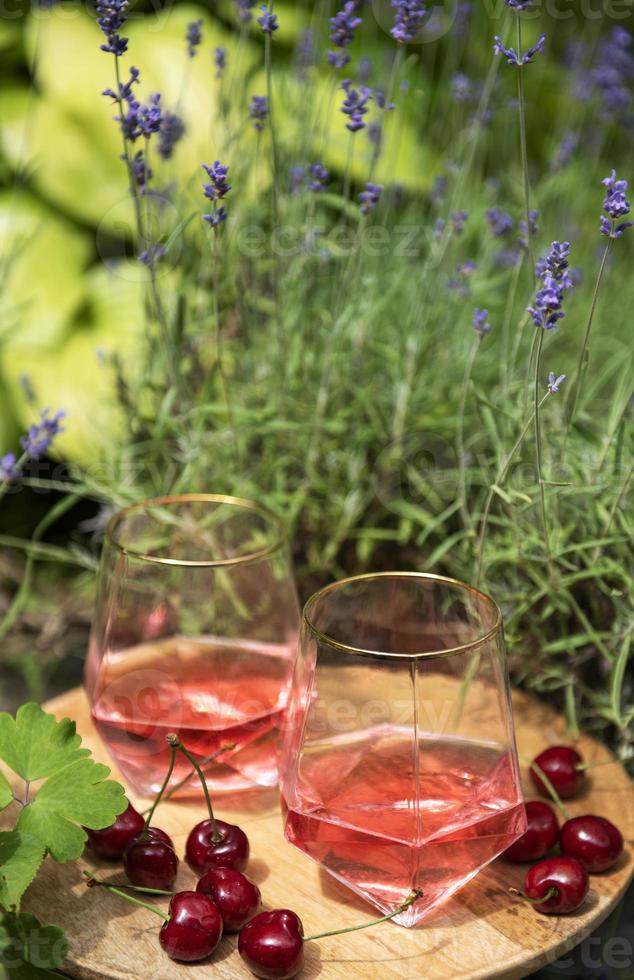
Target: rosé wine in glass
[[399, 769], [195, 633]]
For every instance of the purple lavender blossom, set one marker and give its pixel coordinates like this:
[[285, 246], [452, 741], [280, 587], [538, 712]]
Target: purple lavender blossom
[[125, 88], [153, 254], [458, 220], [480, 322], [342, 28], [150, 116], [259, 111], [8, 469], [111, 16], [370, 197], [194, 36], [616, 205], [439, 227], [318, 177], [408, 19], [40, 436], [533, 216], [613, 76], [461, 88], [296, 178], [554, 382], [381, 100], [499, 221], [268, 21], [519, 5], [217, 188], [512, 56], [466, 268], [171, 132], [553, 271], [220, 60], [141, 172], [244, 8], [355, 105]]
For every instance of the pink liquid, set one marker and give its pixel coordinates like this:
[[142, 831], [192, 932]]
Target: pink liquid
[[212, 693], [355, 811]]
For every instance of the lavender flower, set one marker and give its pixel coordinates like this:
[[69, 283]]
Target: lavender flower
[[370, 197], [194, 36], [499, 221], [40, 436], [217, 188], [318, 177], [111, 16], [613, 76], [512, 56], [268, 21], [408, 19], [532, 227], [244, 8], [616, 205], [8, 469], [342, 28], [153, 254], [125, 88], [355, 105], [466, 269], [461, 88], [519, 5], [171, 131], [554, 382], [552, 270], [296, 178], [150, 117], [381, 100], [480, 322], [259, 111], [458, 220], [220, 61], [141, 172]]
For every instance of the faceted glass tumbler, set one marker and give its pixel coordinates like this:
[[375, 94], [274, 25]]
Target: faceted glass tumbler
[[195, 632], [399, 768]]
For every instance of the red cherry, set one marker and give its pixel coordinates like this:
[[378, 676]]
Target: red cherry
[[566, 876], [561, 765], [237, 898], [593, 841], [540, 836], [202, 853], [111, 842], [194, 928], [272, 944], [151, 861]]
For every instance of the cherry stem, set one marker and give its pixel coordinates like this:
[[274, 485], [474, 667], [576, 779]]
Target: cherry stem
[[582, 766], [203, 762], [556, 798], [551, 893], [133, 888], [411, 898], [129, 898], [168, 776], [175, 743]]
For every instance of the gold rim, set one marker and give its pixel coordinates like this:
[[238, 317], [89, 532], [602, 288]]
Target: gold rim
[[424, 655], [212, 498]]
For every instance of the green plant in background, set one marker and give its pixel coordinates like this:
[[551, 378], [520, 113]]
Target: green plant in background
[[362, 330]]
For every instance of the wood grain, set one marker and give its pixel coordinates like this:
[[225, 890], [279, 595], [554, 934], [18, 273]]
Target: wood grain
[[481, 932]]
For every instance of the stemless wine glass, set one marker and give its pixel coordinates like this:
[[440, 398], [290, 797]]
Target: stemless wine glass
[[195, 632], [399, 769]]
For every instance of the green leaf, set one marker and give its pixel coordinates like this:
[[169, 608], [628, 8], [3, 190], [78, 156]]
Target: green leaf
[[20, 859], [79, 793], [6, 793], [35, 744], [29, 950]]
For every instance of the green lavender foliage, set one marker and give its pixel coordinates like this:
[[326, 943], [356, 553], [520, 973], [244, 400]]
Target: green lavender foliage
[[347, 400]]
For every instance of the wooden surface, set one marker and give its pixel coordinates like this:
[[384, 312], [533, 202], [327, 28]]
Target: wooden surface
[[480, 932]]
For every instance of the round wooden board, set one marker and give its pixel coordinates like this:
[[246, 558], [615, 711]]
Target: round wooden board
[[480, 932]]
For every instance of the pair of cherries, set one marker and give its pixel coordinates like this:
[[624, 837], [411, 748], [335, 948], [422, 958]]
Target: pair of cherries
[[588, 844]]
